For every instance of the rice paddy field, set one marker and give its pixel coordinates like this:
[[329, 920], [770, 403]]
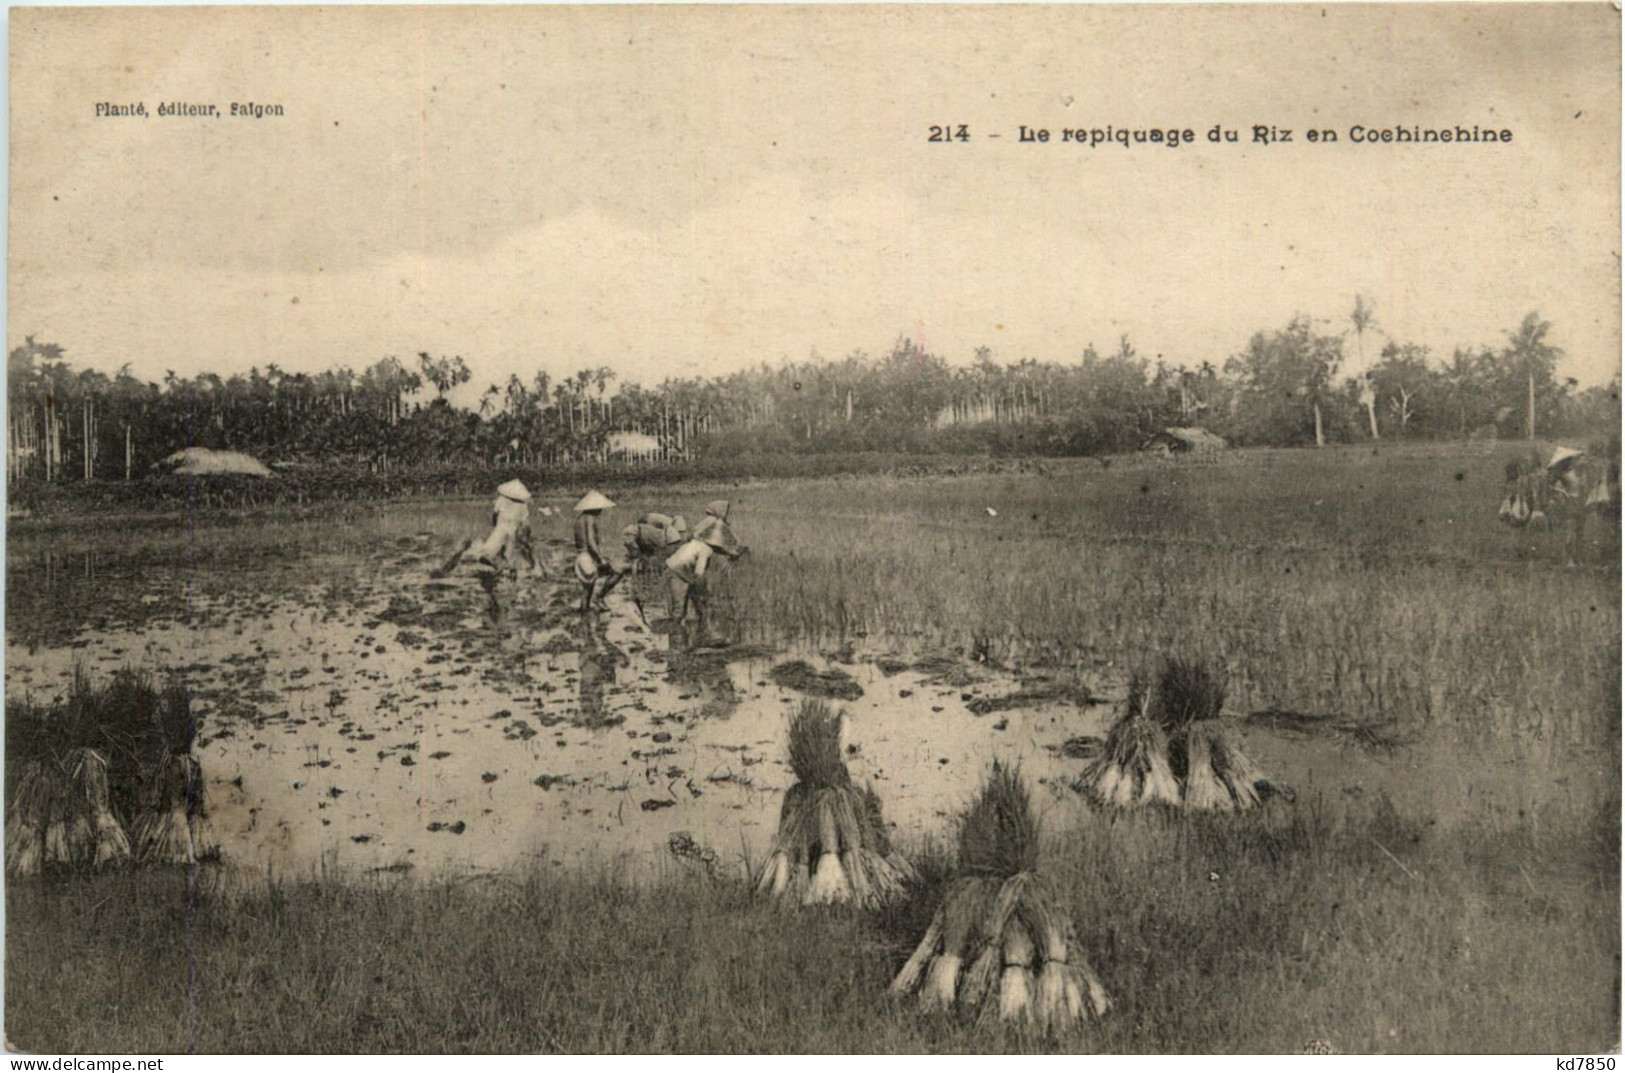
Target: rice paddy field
[[443, 828]]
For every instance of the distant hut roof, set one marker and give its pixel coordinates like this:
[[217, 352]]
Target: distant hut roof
[[206, 462], [633, 443], [1185, 439]]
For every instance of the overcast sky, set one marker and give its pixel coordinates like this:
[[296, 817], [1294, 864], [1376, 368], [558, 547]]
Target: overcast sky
[[682, 191]]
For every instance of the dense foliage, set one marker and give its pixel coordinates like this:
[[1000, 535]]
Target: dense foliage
[[1282, 388]]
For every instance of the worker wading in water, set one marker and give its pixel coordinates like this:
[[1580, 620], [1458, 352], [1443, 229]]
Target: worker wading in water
[[510, 537], [598, 577], [687, 580], [1578, 489], [508, 542]]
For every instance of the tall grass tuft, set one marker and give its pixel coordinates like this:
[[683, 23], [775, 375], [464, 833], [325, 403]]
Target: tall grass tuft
[[1187, 690], [815, 746], [998, 835]]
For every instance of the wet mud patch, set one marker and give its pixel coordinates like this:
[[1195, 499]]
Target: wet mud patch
[[1033, 696], [1375, 737], [1082, 747], [946, 670], [801, 676]]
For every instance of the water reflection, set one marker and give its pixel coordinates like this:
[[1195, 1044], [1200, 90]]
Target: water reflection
[[701, 668], [600, 660]]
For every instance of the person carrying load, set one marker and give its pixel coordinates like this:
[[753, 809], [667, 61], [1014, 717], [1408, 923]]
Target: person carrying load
[[653, 535], [1578, 487], [591, 564]]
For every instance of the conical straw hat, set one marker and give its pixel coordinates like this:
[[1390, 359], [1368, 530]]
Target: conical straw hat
[[1563, 454], [715, 532], [717, 508], [515, 491], [593, 501]]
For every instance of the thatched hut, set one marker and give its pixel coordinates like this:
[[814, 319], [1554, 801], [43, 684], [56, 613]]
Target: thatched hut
[[1184, 441], [832, 844], [207, 462], [1000, 941]]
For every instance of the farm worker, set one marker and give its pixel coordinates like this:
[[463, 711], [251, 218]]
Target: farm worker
[[591, 563], [1578, 486], [715, 523], [1564, 472], [510, 532], [510, 527], [654, 534], [686, 582]]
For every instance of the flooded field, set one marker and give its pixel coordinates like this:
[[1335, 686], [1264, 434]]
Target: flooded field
[[373, 737], [358, 715], [361, 715]]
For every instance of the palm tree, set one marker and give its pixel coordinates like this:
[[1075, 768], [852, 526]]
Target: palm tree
[[1529, 353], [601, 377], [1362, 317]]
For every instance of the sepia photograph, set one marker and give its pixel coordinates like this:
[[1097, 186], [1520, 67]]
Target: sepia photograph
[[814, 529]]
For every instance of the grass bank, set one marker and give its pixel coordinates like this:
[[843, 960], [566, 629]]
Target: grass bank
[[1342, 921]]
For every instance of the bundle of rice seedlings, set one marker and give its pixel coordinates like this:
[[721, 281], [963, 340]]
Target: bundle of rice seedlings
[[171, 829], [1203, 756], [130, 722], [999, 942], [26, 818], [1203, 788], [60, 817], [831, 844], [77, 768], [1132, 769], [1222, 776], [88, 778]]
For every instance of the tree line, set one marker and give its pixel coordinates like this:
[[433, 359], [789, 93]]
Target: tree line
[[1286, 386]]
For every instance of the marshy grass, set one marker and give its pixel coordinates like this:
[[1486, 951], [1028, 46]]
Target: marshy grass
[[1374, 589], [1372, 930]]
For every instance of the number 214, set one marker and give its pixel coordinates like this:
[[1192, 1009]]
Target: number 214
[[961, 133]]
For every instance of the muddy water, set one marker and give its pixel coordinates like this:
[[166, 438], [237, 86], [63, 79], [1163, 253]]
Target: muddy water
[[358, 714], [382, 719]]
